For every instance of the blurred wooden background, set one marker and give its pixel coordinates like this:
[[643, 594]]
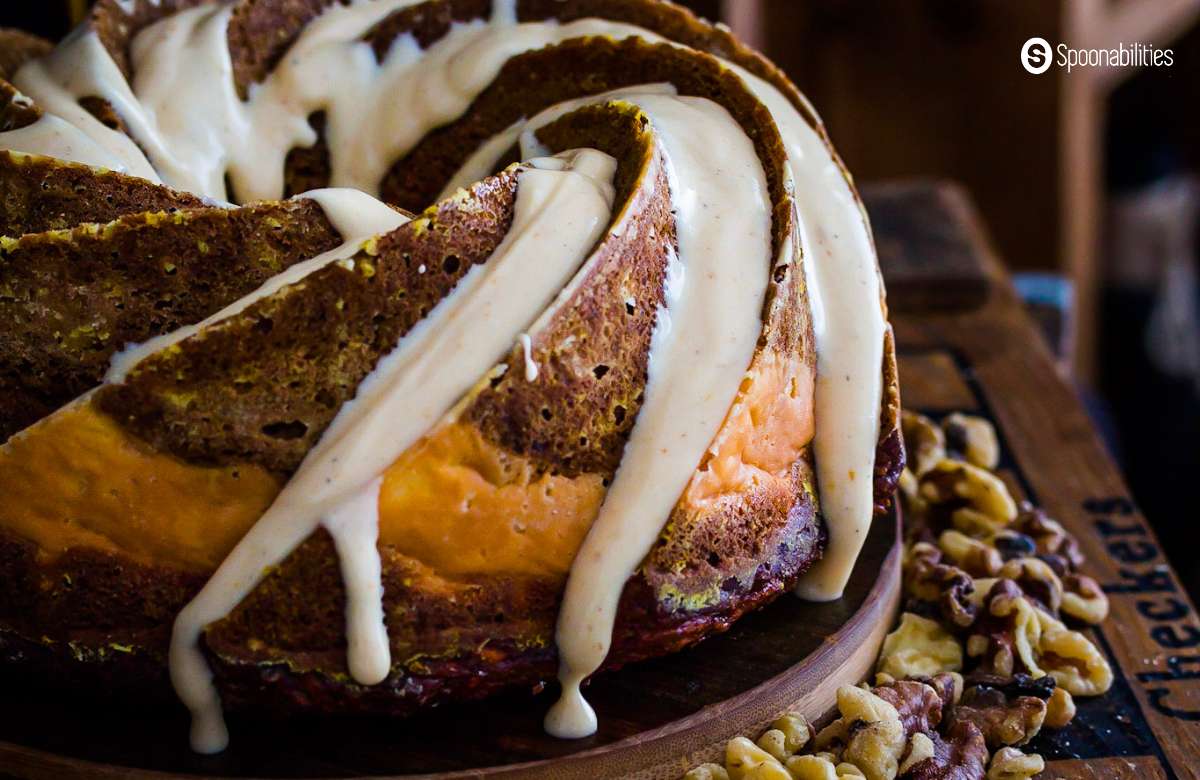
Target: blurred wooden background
[[935, 87]]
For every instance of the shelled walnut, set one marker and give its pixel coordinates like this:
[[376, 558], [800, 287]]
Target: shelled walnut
[[874, 733], [974, 556], [924, 441], [959, 754], [973, 438], [1007, 712], [1060, 708], [1083, 599], [1012, 764], [919, 647], [987, 585], [1036, 580], [978, 500], [945, 589], [1072, 660], [1048, 535]]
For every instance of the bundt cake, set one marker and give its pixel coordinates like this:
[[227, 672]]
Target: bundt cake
[[336, 449]]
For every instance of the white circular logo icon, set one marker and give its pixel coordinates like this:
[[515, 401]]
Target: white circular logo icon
[[1035, 55]]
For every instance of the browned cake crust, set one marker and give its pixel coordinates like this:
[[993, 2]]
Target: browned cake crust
[[263, 385], [41, 193], [72, 298]]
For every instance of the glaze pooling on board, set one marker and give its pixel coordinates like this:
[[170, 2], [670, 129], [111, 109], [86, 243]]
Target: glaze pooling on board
[[183, 109]]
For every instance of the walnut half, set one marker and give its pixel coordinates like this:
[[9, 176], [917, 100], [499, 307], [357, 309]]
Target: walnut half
[[1012, 764], [919, 647]]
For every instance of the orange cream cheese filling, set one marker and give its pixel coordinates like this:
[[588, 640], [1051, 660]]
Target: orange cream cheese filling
[[765, 431], [78, 479], [462, 505], [453, 501]]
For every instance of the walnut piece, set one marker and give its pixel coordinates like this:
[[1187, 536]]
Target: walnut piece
[[875, 735], [972, 437], [919, 647], [1060, 708], [916, 509], [1007, 633], [774, 742], [1048, 535], [924, 441], [797, 731], [1012, 764], [948, 588], [746, 761], [1037, 581], [919, 703], [707, 772], [1072, 660], [980, 499], [1011, 635], [973, 556], [1012, 544], [811, 768], [959, 755], [1083, 599], [1003, 717], [920, 748]]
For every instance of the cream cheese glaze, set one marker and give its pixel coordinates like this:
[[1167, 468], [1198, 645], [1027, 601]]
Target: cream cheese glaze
[[77, 67], [184, 110], [531, 368], [703, 343], [558, 217]]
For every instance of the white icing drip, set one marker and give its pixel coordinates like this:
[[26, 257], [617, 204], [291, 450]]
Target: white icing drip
[[531, 367], [844, 292], [355, 215], [129, 6], [703, 343], [483, 160], [354, 526], [375, 111], [78, 67], [183, 80], [558, 217], [183, 107]]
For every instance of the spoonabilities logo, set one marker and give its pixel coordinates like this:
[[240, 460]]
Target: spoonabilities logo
[[1035, 55]]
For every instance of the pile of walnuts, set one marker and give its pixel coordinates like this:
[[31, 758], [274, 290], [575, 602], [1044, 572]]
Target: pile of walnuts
[[984, 655]]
